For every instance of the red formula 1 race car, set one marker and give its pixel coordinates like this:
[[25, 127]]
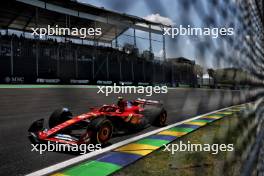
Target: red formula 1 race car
[[98, 125]]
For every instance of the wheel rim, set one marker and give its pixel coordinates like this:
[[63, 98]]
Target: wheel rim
[[162, 118], [104, 134]]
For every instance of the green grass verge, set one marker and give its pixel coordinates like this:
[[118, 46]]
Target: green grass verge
[[224, 131]]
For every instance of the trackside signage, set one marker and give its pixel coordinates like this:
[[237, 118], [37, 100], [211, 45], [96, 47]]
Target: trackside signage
[[52, 81], [14, 79], [101, 82], [78, 81]]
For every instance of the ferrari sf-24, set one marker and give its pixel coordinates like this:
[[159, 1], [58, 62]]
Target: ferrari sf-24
[[98, 125]]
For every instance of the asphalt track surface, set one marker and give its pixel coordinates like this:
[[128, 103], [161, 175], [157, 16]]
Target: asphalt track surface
[[20, 107]]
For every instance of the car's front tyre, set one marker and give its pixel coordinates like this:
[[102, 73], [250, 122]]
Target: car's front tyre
[[59, 116]]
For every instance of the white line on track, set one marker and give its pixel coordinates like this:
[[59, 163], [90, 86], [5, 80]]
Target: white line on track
[[78, 159]]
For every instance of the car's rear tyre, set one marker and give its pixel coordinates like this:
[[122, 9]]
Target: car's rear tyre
[[161, 119], [59, 116], [102, 130]]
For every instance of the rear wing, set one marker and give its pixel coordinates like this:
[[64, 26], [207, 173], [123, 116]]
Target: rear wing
[[145, 101]]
